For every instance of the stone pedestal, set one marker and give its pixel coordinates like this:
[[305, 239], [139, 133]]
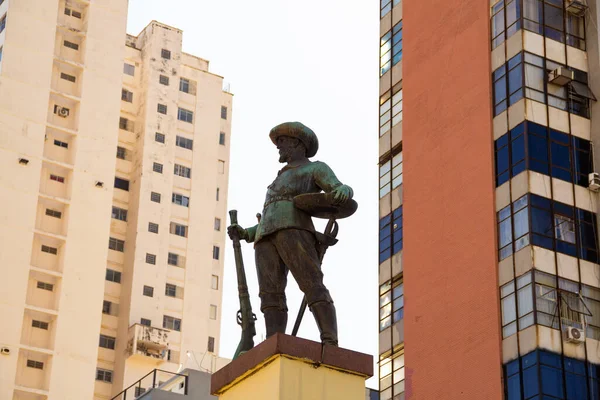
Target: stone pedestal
[[289, 368]]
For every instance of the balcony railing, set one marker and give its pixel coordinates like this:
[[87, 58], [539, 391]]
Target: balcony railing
[[152, 380]]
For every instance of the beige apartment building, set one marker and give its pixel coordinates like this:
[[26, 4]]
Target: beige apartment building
[[115, 158]]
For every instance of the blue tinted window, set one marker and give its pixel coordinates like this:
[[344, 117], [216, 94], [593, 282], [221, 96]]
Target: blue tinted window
[[385, 221], [537, 129], [397, 43], [587, 234], [512, 367], [574, 366], [515, 80], [514, 388], [390, 234], [500, 90], [529, 360], [564, 209], [542, 241], [530, 382], [559, 136], [501, 141], [499, 72], [550, 359], [561, 158], [540, 202], [538, 148], [594, 389], [552, 383], [513, 62], [547, 380], [502, 165], [541, 222], [518, 148]]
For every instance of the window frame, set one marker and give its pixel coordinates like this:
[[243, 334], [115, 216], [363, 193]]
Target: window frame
[[40, 324], [60, 143], [53, 213], [116, 244], [170, 290], [150, 258], [113, 275], [182, 170], [178, 229], [68, 77], [104, 375], [172, 323], [119, 214], [122, 184], [184, 142], [45, 286], [126, 95], [49, 249], [152, 227], [391, 303], [129, 69], [173, 257], [180, 199], [148, 291], [185, 115], [107, 342], [537, 227], [155, 197], [157, 167], [34, 364], [70, 45]]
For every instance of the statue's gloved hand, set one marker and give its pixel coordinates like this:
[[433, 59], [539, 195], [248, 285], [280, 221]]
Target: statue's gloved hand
[[342, 193], [236, 231]]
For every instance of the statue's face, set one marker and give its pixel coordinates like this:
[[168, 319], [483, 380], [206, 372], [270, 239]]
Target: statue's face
[[290, 149]]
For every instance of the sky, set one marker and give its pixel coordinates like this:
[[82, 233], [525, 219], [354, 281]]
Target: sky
[[312, 61]]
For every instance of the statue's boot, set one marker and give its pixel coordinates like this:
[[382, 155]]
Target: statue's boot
[[275, 320], [326, 319]]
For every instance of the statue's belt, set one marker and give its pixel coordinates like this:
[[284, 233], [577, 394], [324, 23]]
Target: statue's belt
[[278, 198]]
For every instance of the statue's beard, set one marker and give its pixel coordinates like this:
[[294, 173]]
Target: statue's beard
[[284, 156]]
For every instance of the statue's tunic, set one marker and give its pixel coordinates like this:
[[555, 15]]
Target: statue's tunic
[[279, 211], [284, 239]]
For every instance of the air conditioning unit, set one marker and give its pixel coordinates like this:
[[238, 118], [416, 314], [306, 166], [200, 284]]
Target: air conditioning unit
[[594, 179], [576, 7], [561, 76], [62, 112], [575, 335]]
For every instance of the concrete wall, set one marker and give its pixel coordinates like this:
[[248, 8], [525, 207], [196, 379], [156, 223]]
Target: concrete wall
[[194, 275], [33, 60], [451, 327], [55, 265]]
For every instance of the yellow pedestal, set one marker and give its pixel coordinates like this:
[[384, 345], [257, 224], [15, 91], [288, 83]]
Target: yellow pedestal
[[289, 368]]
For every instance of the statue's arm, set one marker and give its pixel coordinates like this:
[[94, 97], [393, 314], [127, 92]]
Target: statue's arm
[[251, 234], [326, 180]]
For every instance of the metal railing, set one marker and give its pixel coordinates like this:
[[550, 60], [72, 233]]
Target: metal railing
[[152, 380]]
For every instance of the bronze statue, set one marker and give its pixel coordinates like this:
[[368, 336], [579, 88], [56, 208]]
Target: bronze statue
[[285, 238]]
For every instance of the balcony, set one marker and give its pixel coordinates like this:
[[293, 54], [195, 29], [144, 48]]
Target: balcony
[[148, 342]]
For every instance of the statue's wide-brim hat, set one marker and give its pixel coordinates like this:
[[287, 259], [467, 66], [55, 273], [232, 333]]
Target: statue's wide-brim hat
[[322, 205], [299, 131]]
